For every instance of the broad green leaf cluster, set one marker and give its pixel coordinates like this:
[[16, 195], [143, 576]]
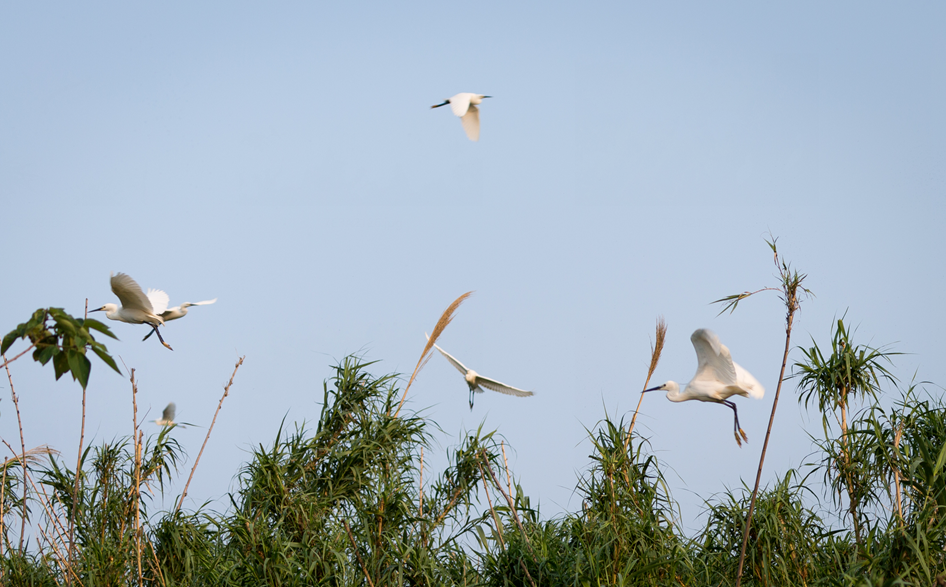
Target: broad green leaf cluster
[[63, 339]]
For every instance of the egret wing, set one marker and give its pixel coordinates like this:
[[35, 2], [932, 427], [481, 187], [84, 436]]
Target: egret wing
[[749, 383], [471, 123], [714, 360], [169, 411], [502, 387], [460, 103], [159, 300], [460, 367], [129, 293]]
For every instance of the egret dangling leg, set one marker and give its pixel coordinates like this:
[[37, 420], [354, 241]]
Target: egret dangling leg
[[737, 428], [155, 331]]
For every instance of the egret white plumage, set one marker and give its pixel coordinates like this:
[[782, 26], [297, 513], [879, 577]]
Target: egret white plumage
[[137, 308], [474, 380], [177, 311], [717, 378], [465, 105], [167, 417]]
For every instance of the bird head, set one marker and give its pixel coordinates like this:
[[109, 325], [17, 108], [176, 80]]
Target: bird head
[[106, 308], [671, 387]]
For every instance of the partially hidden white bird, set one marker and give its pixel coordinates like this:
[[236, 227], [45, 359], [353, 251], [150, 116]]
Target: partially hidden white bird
[[717, 378], [137, 308], [465, 105], [177, 311], [167, 417], [474, 380]]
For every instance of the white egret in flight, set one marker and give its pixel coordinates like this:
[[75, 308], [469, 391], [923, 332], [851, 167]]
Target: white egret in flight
[[137, 308], [717, 378], [464, 105], [177, 311], [475, 380], [167, 418]]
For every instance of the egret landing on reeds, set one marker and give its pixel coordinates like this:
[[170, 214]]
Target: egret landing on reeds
[[177, 311], [137, 308], [717, 378], [475, 380], [465, 105]]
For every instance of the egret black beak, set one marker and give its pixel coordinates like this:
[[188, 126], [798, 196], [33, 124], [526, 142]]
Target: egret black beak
[[653, 389], [98, 309], [439, 105]]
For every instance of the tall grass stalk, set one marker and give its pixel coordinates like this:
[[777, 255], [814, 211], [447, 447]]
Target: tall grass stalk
[[791, 291], [19, 423], [442, 323], [226, 392], [655, 350]]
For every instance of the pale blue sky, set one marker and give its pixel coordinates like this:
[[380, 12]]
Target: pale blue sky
[[285, 160]]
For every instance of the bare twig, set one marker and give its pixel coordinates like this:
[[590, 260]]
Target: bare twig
[[3, 513], [137, 439], [75, 491], [8, 361], [357, 554], [19, 422], [442, 323], [226, 391], [655, 351], [502, 446]]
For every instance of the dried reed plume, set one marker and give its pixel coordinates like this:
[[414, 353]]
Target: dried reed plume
[[655, 351], [32, 456], [445, 319]]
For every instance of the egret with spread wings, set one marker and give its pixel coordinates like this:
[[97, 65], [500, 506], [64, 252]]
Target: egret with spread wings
[[476, 381], [137, 308], [717, 378]]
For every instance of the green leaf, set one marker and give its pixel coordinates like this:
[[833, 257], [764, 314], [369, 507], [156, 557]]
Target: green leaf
[[80, 367], [100, 350], [8, 341], [66, 325], [96, 325], [44, 353], [60, 364]]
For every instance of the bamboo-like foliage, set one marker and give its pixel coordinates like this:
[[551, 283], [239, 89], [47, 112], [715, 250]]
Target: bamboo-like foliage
[[338, 502], [849, 372]]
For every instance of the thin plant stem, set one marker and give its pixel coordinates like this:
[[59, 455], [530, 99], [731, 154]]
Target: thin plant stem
[[512, 505], [502, 446], [3, 513], [442, 323], [499, 529], [19, 422], [420, 486], [226, 392], [791, 291], [655, 352], [357, 554], [75, 491], [137, 497], [765, 445], [8, 361]]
